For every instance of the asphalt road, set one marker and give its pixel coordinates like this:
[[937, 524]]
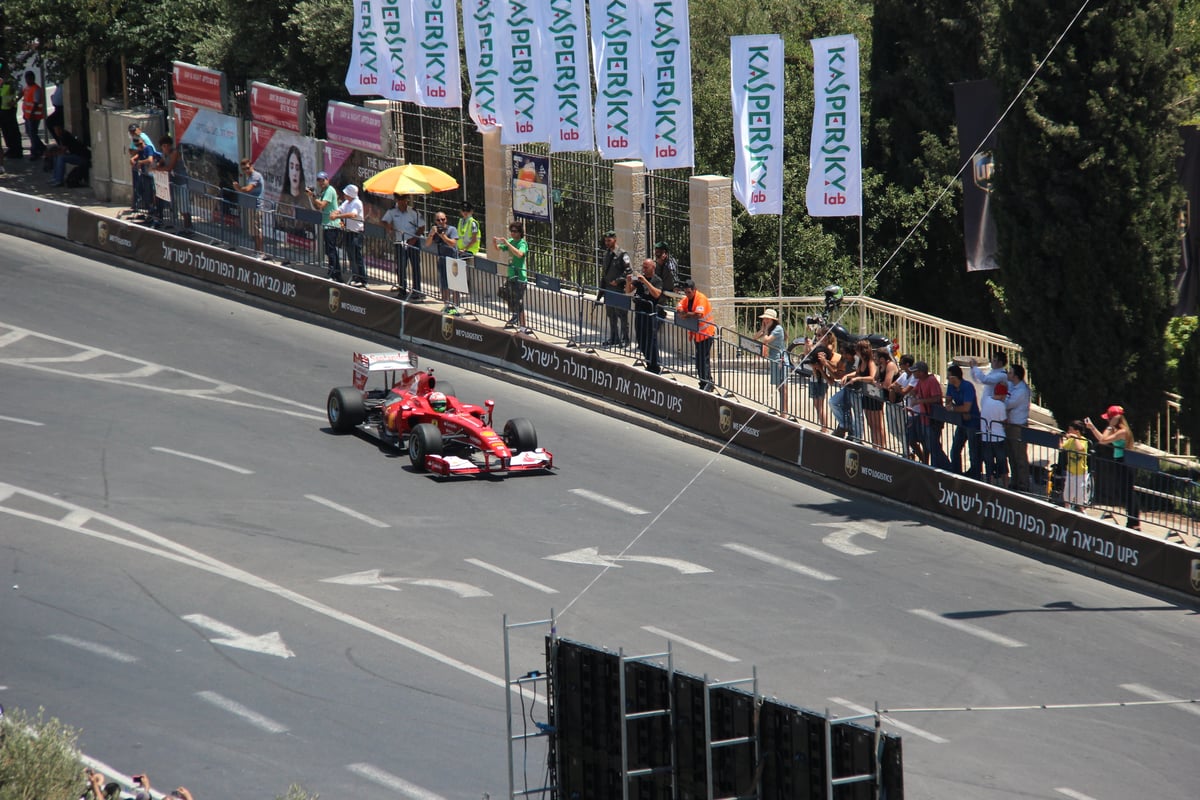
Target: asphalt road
[[168, 484]]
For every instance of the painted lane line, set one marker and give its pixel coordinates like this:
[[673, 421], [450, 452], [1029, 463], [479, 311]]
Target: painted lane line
[[95, 648], [203, 460], [14, 335], [1074, 795], [966, 627], [350, 512], [674, 637], [895, 723], [605, 500], [389, 781], [238, 710], [776, 561], [1154, 694], [20, 421], [512, 576]]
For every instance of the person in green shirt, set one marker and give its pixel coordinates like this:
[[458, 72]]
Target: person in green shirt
[[514, 288], [326, 202]]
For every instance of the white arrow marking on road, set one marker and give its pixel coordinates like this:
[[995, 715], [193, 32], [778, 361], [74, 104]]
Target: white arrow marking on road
[[203, 460], [270, 644], [375, 579], [840, 539], [913, 729], [237, 709], [966, 627], [591, 556], [611, 502], [389, 781], [95, 647], [777, 561]]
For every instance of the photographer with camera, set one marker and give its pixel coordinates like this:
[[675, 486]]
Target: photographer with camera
[[647, 291], [443, 238]]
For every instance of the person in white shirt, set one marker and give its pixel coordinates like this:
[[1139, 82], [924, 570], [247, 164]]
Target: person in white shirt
[[993, 376], [992, 415], [404, 225], [1017, 409], [350, 212]]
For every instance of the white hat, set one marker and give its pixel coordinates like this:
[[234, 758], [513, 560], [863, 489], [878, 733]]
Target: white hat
[[769, 314], [351, 191]]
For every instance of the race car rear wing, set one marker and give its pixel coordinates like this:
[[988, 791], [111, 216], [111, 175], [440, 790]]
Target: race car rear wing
[[396, 361]]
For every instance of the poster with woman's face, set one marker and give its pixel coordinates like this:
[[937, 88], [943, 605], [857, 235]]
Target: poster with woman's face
[[288, 163]]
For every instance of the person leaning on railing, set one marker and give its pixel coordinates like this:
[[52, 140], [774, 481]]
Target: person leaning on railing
[[1120, 436], [325, 201]]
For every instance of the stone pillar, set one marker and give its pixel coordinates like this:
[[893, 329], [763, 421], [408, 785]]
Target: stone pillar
[[497, 192], [710, 204], [629, 209]]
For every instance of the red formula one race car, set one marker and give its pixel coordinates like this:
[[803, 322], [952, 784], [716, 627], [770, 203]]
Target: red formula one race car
[[414, 411]]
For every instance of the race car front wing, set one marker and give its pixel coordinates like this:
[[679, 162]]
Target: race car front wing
[[529, 461]]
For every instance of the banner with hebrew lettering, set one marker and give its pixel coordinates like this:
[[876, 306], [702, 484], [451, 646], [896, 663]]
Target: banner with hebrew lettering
[[756, 77], [835, 154]]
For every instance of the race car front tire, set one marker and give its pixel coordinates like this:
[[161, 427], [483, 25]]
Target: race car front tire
[[345, 409], [520, 435], [423, 440]]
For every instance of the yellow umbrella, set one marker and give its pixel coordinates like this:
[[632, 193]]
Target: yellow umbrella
[[410, 179]]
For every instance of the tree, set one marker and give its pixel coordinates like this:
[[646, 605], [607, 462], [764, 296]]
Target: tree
[[1086, 197], [1189, 387]]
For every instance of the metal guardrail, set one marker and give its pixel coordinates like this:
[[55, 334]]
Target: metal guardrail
[[578, 314]]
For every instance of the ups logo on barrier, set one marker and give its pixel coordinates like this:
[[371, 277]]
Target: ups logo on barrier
[[725, 420], [851, 463], [447, 327], [335, 299]]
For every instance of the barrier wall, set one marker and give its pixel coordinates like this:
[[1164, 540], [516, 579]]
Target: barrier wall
[[36, 213], [1015, 516]]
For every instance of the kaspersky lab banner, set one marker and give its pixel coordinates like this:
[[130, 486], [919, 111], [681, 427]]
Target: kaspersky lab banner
[[523, 55], [835, 155], [666, 124], [616, 48], [571, 114], [364, 74], [397, 49], [479, 36], [757, 89], [438, 68]]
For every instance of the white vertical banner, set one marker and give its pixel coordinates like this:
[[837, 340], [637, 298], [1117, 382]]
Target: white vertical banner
[[571, 120], [835, 155], [756, 83], [398, 47], [666, 115], [616, 57], [438, 69], [363, 75], [525, 94], [479, 35]]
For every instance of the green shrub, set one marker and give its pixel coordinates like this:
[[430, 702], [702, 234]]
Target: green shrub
[[38, 758], [297, 792]]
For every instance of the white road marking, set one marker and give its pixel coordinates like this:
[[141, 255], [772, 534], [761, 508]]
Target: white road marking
[[1074, 795], [844, 531], [350, 512], [674, 637], [904, 726], [203, 460], [1154, 694], [511, 575], [14, 335], [605, 500], [182, 554], [389, 781], [375, 579], [20, 421], [591, 556], [237, 709], [270, 644], [966, 627], [776, 561], [95, 648]]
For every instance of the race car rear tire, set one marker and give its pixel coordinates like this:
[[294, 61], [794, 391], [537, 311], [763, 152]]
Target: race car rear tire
[[520, 435], [424, 440], [445, 387], [345, 409]]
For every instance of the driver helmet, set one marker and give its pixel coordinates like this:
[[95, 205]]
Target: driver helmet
[[437, 401]]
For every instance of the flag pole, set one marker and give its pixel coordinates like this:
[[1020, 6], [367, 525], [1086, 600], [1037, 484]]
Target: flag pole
[[781, 259]]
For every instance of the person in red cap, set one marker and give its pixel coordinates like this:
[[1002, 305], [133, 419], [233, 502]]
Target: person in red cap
[[1120, 436]]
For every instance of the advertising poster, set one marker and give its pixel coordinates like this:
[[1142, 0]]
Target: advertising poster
[[346, 166], [208, 142], [531, 186], [835, 153], [288, 163]]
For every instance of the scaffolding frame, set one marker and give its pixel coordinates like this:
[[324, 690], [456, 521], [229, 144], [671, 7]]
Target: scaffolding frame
[[517, 684], [628, 775]]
